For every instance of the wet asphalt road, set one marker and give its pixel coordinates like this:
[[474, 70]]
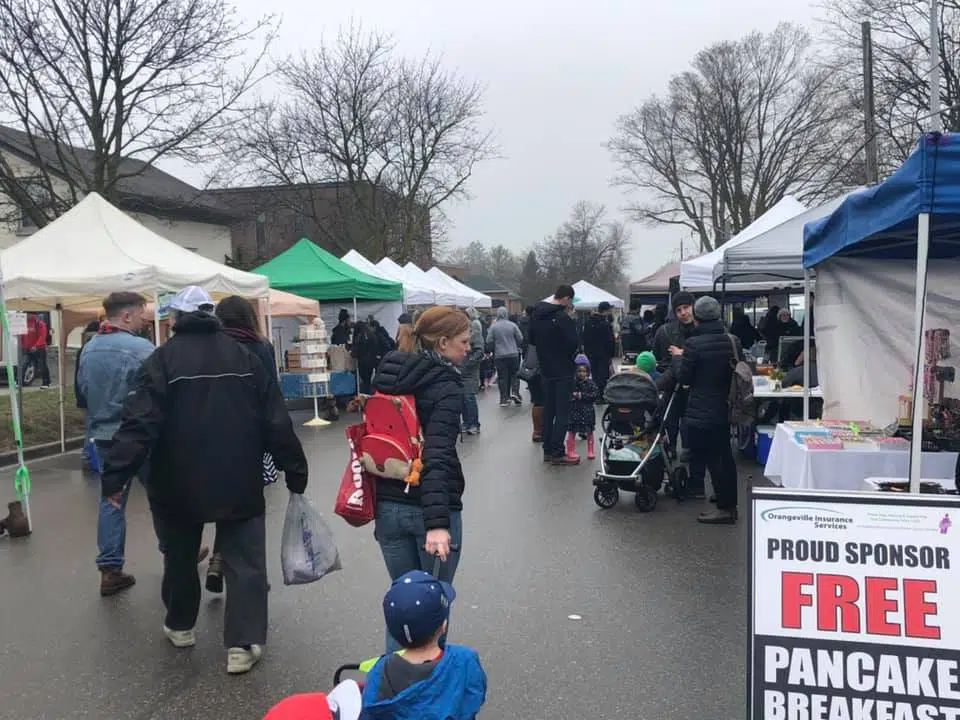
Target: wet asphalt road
[[662, 601]]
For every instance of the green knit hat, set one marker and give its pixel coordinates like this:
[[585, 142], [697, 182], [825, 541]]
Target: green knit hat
[[646, 361]]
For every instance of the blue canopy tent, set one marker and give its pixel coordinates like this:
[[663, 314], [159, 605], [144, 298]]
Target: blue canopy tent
[[913, 214]]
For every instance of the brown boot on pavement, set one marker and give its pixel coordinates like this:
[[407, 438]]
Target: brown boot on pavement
[[16, 523], [114, 580], [536, 414], [718, 517]]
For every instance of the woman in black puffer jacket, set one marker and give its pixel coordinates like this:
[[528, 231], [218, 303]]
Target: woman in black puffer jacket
[[239, 320], [413, 525]]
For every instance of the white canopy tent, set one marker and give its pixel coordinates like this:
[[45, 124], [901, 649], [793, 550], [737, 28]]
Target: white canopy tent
[[589, 297], [772, 259], [94, 249], [412, 293], [473, 298], [697, 274], [415, 277]]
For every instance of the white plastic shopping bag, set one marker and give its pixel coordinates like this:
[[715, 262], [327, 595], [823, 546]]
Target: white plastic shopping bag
[[308, 551]]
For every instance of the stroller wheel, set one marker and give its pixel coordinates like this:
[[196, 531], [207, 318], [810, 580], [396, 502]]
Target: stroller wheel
[[645, 499], [679, 482], [606, 497]]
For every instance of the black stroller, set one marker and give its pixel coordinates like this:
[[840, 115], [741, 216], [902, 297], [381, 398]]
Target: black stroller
[[636, 450]]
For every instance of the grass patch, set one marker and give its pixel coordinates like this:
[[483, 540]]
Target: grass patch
[[40, 418]]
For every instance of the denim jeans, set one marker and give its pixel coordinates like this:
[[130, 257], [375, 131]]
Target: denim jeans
[[400, 532], [471, 411], [112, 521], [507, 368]]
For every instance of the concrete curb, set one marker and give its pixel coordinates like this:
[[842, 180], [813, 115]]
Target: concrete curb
[[37, 452]]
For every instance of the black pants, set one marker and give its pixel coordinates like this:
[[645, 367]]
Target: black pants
[[39, 357], [556, 413], [600, 370], [506, 375], [710, 445], [365, 373], [535, 386], [242, 547]]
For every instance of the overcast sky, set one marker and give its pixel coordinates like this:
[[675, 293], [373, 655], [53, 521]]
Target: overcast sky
[[557, 74]]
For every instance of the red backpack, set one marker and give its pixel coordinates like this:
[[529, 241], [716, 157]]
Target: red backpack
[[393, 440]]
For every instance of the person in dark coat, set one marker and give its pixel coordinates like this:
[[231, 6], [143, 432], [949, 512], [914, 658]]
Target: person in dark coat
[[705, 365], [599, 345], [416, 522], [205, 410], [341, 333], [743, 329], [553, 333]]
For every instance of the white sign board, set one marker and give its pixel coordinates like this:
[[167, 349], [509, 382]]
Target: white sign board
[[163, 300], [854, 606], [17, 321]]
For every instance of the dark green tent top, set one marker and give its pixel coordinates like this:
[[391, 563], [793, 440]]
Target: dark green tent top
[[311, 272]]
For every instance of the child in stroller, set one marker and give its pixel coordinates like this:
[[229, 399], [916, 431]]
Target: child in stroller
[[636, 451]]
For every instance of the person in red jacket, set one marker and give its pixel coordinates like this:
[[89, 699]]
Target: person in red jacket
[[34, 345]]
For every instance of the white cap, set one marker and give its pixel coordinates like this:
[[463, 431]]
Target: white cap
[[191, 299]]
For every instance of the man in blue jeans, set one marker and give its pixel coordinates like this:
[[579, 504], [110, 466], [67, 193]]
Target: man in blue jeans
[[554, 334], [106, 376]]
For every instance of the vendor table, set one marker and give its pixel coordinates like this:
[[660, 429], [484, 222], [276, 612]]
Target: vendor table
[[763, 390], [792, 465]]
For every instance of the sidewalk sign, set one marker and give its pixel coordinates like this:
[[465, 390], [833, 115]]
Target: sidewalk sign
[[17, 321], [163, 300], [853, 606]]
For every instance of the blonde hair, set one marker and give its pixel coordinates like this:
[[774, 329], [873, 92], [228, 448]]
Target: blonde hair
[[433, 325]]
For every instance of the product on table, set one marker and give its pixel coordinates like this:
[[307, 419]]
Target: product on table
[[822, 442]]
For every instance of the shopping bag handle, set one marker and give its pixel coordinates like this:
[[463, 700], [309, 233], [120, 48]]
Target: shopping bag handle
[[437, 562]]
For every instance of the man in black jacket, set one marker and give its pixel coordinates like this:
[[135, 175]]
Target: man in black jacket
[[205, 410], [705, 365], [554, 334], [599, 345]]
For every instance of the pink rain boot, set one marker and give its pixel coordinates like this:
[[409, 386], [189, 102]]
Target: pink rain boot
[[572, 447], [591, 447]]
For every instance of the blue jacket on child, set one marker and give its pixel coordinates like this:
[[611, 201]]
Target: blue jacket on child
[[455, 690]]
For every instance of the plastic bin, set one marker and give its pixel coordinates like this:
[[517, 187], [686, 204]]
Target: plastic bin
[[763, 439]]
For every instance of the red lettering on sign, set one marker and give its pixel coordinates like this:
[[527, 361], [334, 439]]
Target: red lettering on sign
[[837, 593], [840, 606], [879, 605], [793, 598], [916, 609]]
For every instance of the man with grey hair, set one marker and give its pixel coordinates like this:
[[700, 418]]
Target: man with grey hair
[[205, 410], [705, 365]]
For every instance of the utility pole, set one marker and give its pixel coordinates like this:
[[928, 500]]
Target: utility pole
[[869, 110], [936, 122]]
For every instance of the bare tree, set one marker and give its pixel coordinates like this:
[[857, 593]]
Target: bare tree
[[586, 247], [750, 122], [901, 45], [395, 139], [100, 90]]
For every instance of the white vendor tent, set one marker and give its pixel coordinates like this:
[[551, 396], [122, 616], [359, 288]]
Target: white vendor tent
[[697, 274], [772, 259], [415, 277], [472, 298], [94, 249], [412, 293], [589, 296]]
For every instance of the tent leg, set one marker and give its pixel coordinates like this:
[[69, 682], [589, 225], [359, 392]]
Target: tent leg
[[806, 344], [61, 369], [356, 368], [920, 300], [156, 318]]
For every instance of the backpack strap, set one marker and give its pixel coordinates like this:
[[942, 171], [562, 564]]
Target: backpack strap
[[733, 346]]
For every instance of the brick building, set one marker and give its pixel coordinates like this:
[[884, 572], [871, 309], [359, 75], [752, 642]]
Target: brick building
[[331, 214]]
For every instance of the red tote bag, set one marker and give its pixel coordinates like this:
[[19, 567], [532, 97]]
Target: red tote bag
[[357, 496]]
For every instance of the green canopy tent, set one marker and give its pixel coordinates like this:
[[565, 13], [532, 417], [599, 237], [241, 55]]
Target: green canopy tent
[[310, 271]]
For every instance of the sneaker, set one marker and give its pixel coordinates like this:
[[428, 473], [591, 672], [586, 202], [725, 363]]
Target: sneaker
[[517, 400], [214, 581], [473, 431], [718, 517], [241, 660], [180, 638], [504, 404], [114, 580]]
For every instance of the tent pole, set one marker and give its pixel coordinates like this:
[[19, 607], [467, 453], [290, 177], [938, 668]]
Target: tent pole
[[806, 344], [61, 366], [356, 365], [920, 299], [156, 317], [276, 359]]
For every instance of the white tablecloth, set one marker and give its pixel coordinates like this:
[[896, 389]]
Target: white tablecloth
[[763, 390], [792, 465]]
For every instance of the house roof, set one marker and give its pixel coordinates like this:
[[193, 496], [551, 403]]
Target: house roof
[[145, 189], [487, 285]]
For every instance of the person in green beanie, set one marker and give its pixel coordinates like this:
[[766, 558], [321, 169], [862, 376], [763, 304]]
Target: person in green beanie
[[648, 363]]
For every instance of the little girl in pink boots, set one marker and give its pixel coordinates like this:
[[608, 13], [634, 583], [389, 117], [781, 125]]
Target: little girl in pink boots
[[583, 417]]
